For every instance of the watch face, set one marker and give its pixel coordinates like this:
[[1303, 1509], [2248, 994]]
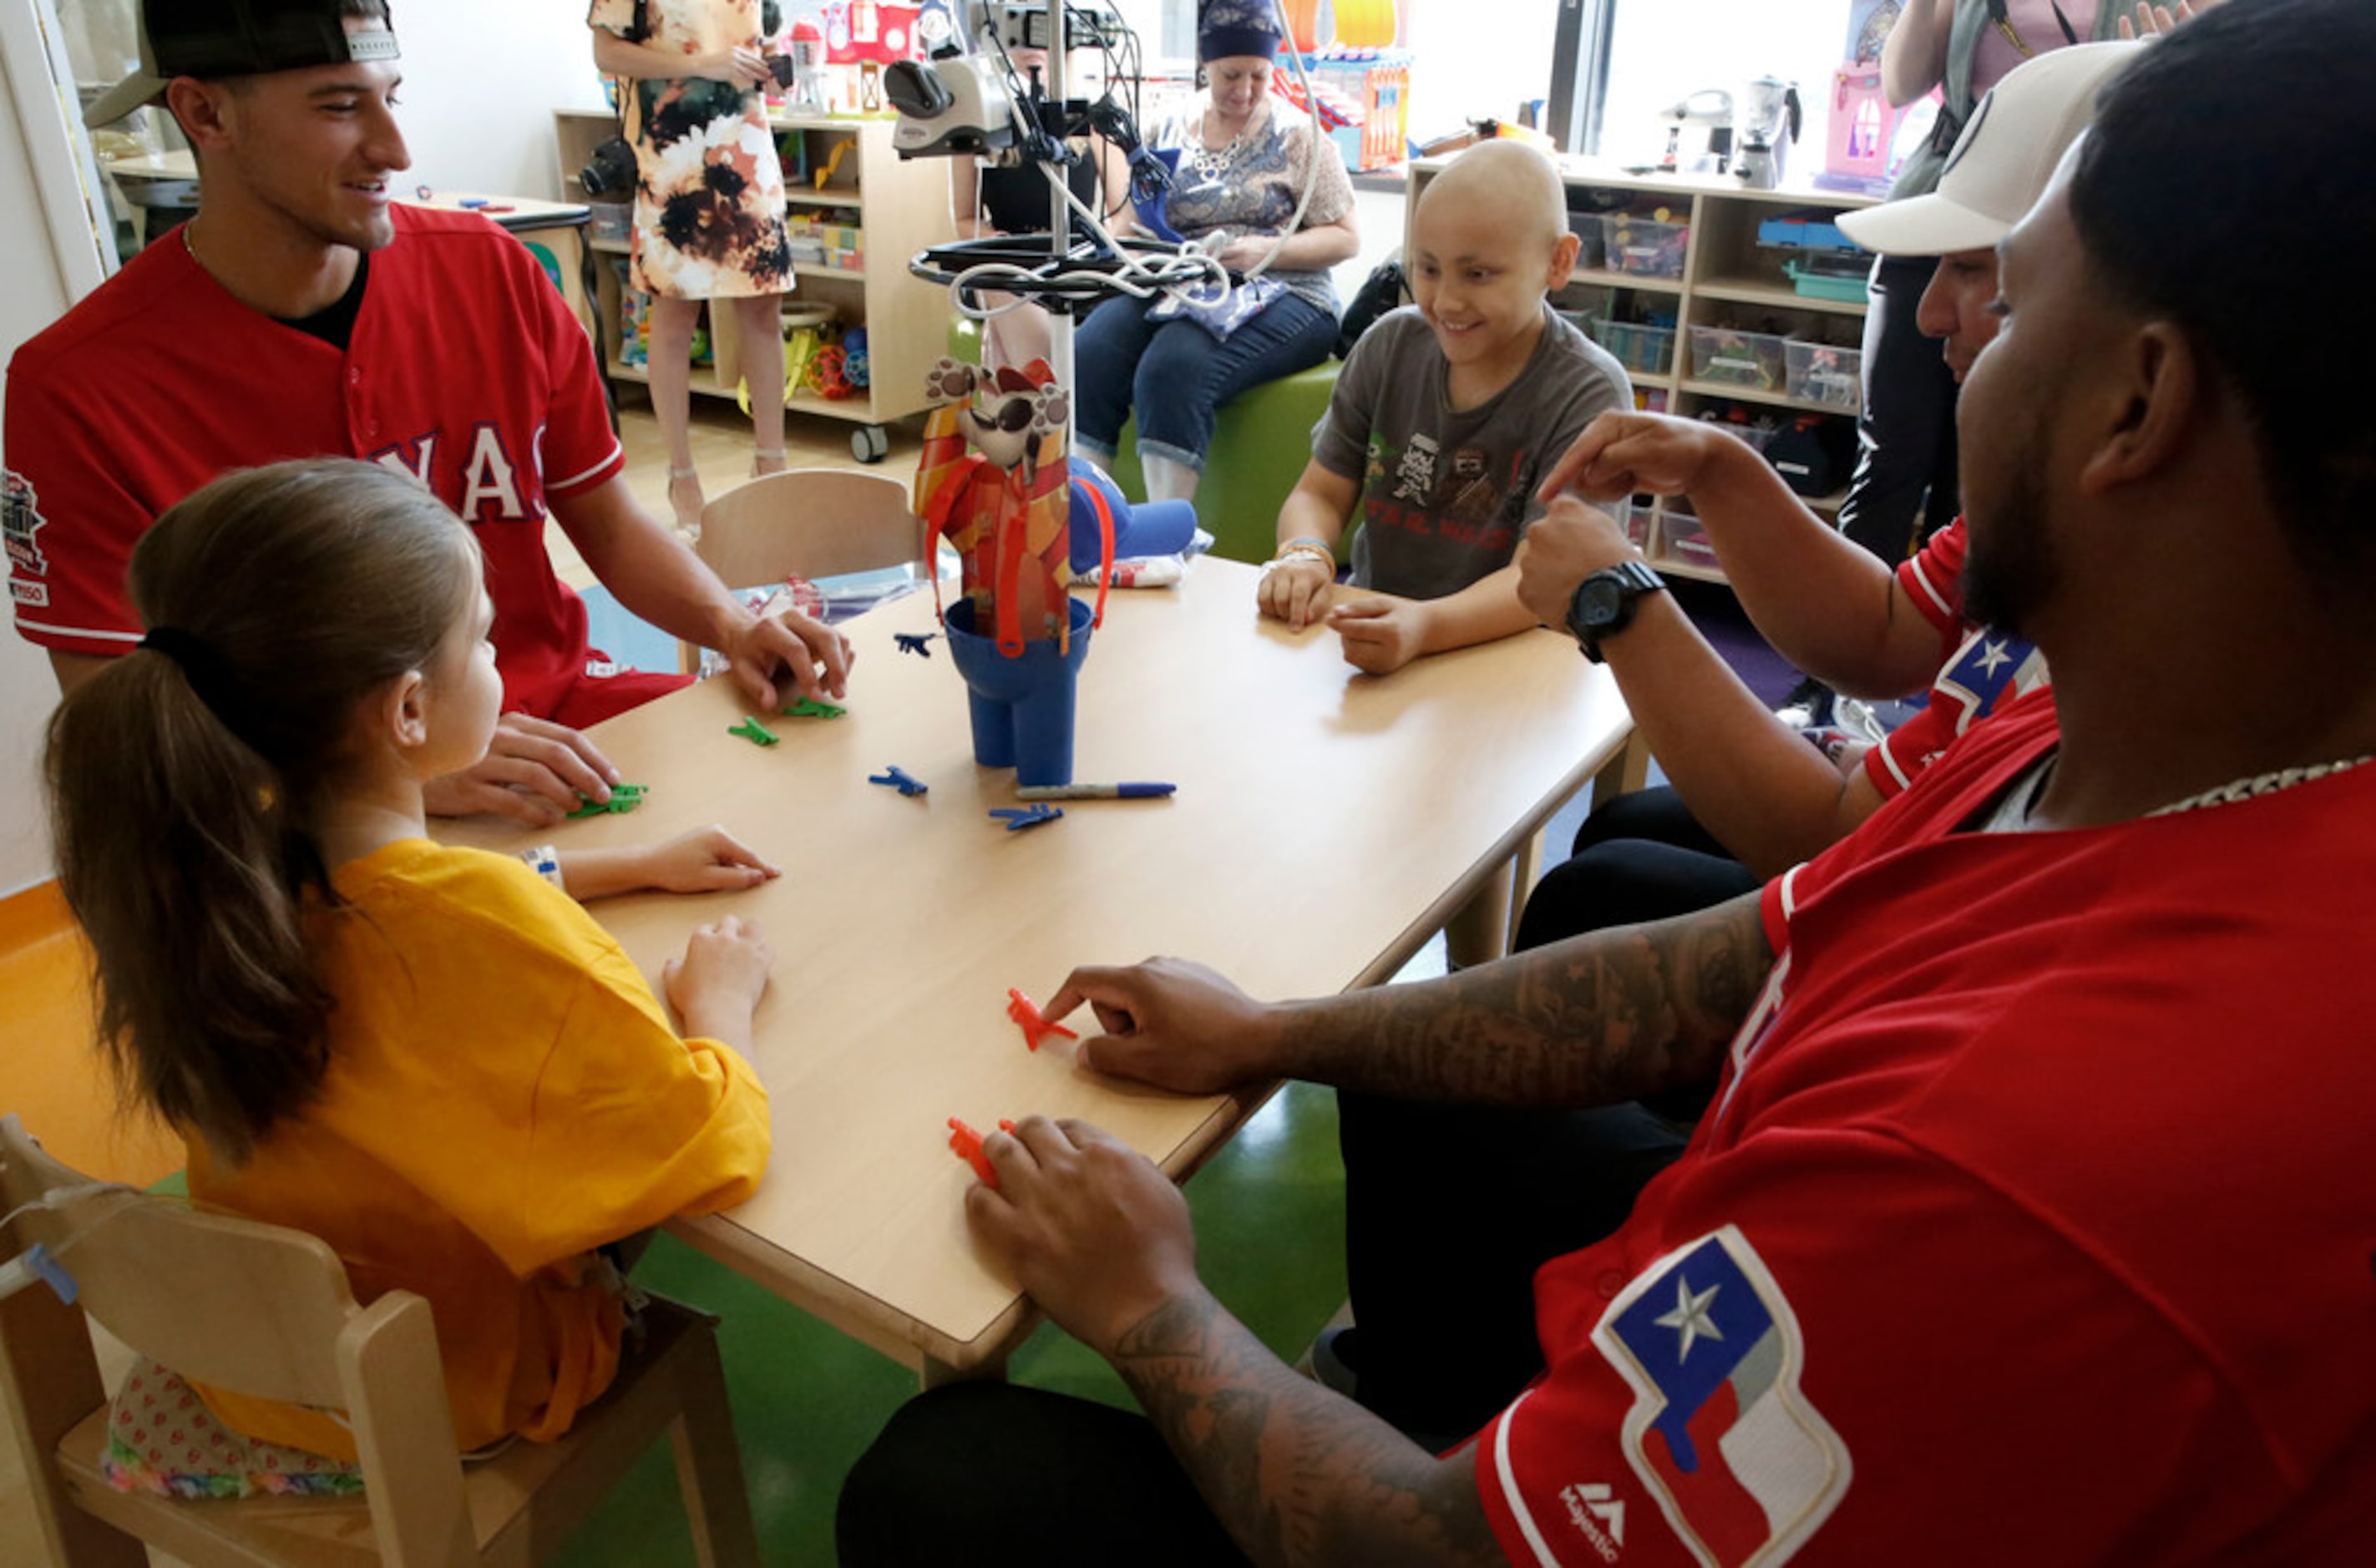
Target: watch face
[[1599, 602]]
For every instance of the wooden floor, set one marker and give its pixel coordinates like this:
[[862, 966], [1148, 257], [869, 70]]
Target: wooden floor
[[55, 1078]]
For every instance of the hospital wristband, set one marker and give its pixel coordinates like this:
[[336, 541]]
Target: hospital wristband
[[1315, 548]]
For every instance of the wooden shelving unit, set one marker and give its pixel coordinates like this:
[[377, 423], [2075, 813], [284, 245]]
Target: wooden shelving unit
[[1727, 281], [903, 208]]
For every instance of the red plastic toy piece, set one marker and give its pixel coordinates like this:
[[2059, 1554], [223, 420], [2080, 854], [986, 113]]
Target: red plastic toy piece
[[1036, 1026], [965, 1144]]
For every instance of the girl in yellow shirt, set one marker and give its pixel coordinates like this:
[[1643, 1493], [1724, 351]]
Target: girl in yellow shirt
[[429, 1057]]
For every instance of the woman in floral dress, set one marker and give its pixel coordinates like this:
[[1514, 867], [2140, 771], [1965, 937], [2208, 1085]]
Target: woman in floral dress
[[709, 204]]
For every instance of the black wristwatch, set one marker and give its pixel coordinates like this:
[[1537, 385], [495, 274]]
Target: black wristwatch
[[1603, 604]]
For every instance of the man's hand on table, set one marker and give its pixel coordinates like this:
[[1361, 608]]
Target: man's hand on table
[[1091, 1229], [1562, 547], [759, 649], [1173, 1024], [535, 771]]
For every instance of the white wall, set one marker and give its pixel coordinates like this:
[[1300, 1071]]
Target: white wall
[[33, 298], [481, 83]]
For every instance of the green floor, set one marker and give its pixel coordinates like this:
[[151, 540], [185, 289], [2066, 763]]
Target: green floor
[[1270, 1234]]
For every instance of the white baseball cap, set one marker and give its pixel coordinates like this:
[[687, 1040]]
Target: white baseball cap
[[2002, 162]]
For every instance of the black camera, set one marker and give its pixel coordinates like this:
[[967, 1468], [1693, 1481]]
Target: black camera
[[610, 171]]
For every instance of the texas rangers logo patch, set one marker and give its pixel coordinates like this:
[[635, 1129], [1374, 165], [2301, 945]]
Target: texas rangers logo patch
[[20, 519], [1743, 1468]]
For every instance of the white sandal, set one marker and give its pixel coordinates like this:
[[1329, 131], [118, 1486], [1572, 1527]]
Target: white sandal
[[688, 520]]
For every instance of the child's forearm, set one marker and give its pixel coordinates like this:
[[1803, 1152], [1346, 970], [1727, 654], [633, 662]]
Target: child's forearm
[[1486, 610], [1306, 515], [587, 874]]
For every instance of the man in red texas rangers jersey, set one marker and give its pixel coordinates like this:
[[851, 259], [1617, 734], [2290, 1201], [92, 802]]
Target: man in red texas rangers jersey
[[302, 313], [2026, 1224]]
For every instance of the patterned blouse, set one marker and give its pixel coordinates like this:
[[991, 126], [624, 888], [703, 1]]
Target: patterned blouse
[[1252, 185], [710, 192]]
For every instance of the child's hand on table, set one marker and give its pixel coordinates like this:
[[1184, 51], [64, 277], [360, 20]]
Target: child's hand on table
[[707, 860], [1380, 632], [1296, 589], [717, 985]]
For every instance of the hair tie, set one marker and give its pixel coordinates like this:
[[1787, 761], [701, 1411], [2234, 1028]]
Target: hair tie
[[209, 673]]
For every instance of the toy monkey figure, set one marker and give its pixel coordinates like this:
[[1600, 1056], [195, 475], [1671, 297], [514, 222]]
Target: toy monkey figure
[[992, 481]]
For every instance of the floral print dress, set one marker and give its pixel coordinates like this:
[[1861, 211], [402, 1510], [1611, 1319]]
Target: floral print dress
[[710, 192]]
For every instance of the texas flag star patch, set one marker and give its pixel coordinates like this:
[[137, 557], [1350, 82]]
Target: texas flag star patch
[[1744, 1468]]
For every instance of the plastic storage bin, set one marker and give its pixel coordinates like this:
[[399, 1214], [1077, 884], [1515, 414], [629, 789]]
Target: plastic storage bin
[[1644, 246], [1591, 242], [609, 219], [1683, 540], [1636, 518], [1739, 359], [1823, 373], [1645, 351]]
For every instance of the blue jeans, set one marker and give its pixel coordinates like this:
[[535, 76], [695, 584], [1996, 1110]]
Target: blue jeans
[[1177, 375]]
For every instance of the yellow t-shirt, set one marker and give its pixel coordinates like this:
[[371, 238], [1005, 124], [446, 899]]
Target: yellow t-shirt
[[504, 1095]]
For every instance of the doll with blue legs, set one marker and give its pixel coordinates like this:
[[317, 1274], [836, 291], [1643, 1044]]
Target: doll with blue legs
[[994, 482]]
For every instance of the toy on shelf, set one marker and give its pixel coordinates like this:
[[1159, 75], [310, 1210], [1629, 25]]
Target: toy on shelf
[[805, 91], [992, 481]]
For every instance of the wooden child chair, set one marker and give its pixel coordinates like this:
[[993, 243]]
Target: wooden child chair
[[266, 1311], [808, 523]]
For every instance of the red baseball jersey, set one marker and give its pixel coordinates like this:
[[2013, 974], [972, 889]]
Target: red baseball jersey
[[1983, 669], [2029, 1225], [464, 368]]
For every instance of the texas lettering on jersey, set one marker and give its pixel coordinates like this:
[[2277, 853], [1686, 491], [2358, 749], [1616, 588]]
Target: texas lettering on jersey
[[486, 489]]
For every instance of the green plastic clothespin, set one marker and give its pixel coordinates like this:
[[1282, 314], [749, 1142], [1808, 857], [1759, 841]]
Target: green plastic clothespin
[[755, 732], [623, 798], [809, 707]]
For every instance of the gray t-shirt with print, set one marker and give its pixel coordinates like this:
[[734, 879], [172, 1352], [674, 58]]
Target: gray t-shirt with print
[[1445, 496]]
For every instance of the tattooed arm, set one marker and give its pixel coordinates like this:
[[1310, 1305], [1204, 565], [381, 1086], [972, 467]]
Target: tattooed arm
[[1100, 1238], [1608, 1016]]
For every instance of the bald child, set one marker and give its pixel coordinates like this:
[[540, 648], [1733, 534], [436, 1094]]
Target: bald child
[[1445, 417]]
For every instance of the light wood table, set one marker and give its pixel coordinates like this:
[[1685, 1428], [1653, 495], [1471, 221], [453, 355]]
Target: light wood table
[[1326, 825]]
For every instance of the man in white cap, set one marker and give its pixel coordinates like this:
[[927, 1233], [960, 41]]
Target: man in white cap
[[2024, 1228], [1439, 1274], [304, 313]]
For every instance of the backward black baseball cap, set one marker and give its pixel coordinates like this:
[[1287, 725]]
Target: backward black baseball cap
[[211, 39]]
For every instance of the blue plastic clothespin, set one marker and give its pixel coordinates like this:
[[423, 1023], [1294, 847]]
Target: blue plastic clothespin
[[899, 779], [914, 642], [1017, 818]]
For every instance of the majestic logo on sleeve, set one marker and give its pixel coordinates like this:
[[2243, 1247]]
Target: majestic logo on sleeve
[[20, 519], [1743, 1468]]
